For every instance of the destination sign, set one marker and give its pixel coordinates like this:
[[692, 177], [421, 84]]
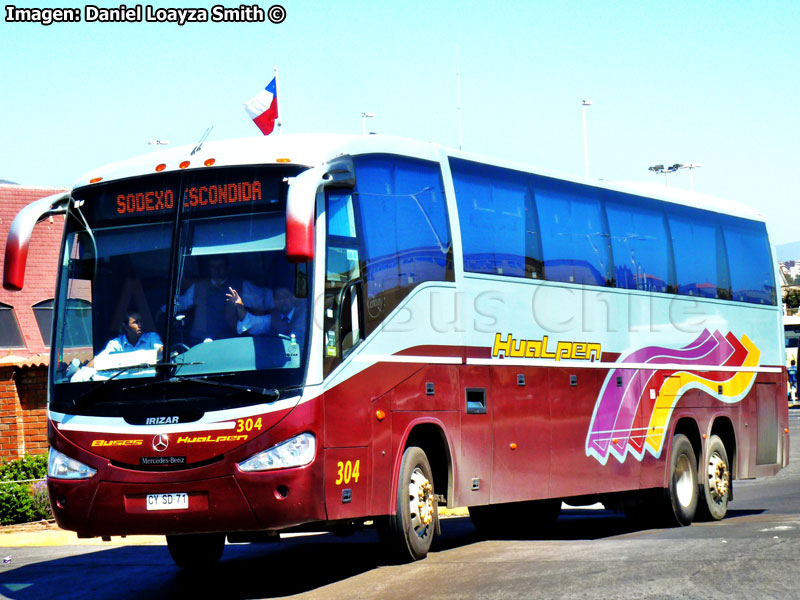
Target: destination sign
[[158, 196], [157, 200]]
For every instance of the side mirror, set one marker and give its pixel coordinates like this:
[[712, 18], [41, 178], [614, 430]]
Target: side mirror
[[19, 236], [301, 203]]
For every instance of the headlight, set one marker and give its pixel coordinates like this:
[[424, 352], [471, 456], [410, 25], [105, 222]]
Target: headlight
[[296, 452], [61, 466]]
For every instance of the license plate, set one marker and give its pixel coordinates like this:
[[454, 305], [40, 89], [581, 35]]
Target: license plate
[[178, 501]]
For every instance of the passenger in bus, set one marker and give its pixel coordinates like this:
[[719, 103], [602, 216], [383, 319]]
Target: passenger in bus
[[215, 317], [791, 374], [133, 337], [287, 317]]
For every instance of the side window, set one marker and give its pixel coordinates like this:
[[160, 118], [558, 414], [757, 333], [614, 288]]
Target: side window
[[499, 225], [405, 234], [701, 263], [10, 335], [341, 220], [575, 239], [639, 243], [750, 261]]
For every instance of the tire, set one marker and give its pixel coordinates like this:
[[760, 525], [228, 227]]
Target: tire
[[410, 532], [197, 551], [521, 520], [715, 481], [682, 493]]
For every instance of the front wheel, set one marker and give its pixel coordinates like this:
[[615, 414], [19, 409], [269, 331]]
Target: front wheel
[[410, 530], [715, 481], [197, 551]]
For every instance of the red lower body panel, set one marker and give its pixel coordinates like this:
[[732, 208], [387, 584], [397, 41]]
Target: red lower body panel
[[245, 502]]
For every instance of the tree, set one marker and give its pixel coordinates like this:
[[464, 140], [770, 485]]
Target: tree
[[792, 298]]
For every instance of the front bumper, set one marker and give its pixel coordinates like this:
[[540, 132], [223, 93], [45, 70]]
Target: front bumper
[[271, 500]]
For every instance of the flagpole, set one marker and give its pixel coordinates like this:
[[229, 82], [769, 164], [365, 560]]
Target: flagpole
[[277, 96], [458, 93]]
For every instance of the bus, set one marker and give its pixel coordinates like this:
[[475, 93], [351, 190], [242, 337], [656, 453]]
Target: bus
[[791, 331], [324, 332]]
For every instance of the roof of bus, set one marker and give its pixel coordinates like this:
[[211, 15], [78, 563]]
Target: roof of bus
[[315, 149]]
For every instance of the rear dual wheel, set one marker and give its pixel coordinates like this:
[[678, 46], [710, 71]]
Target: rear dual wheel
[[677, 503], [682, 492], [715, 481]]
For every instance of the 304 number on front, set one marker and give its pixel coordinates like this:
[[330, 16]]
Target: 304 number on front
[[177, 501], [347, 471]]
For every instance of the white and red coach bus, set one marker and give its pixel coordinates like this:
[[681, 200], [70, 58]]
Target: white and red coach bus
[[411, 327]]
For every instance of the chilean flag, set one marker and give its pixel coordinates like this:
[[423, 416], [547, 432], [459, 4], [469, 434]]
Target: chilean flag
[[263, 108]]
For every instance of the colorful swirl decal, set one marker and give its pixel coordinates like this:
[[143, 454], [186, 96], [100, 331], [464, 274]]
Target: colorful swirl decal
[[634, 395]]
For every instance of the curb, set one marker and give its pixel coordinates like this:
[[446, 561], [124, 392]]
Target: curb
[[47, 533]]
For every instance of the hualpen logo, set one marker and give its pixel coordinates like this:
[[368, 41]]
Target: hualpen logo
[[564, 350]]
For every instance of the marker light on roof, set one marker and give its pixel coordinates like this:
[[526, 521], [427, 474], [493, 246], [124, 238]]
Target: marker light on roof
[[184, 164], [283, 160], [95, 179], [160, 167], [210, 161]]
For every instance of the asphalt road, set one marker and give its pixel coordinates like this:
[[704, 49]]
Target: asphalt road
[[753, 553]]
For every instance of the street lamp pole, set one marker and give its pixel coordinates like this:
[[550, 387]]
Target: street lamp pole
[[585, 138], [658, 169], [692, 167]]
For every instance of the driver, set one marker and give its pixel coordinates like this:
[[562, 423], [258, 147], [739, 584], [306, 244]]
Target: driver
[[133, 336]]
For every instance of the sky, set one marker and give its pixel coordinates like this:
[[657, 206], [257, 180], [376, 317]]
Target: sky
[[671, 82]]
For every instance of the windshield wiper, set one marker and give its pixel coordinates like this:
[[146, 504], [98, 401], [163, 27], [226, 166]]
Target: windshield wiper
[[119, 371], [273, 393]]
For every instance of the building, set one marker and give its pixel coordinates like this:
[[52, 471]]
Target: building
[[25, 324], [791, 268]]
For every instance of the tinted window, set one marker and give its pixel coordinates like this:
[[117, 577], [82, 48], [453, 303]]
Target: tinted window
[[405, 231], [750, 261], [43, 311], [700, 262], [10, 335], [639, 242], [575, 239], [499, 226]]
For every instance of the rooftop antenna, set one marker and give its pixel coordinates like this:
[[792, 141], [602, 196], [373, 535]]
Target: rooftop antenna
[[158, 143], [202, 139]]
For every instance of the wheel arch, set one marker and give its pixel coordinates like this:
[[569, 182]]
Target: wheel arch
[[429, 435], [688, 427]]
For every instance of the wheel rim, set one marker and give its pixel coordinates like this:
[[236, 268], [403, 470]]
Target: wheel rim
[[421, 507], [718, 478], [684, 484]]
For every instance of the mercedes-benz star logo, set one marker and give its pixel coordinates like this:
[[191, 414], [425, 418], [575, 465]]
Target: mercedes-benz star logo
[[160, 442]]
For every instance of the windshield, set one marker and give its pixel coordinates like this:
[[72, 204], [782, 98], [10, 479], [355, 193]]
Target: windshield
[[203, 289]]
